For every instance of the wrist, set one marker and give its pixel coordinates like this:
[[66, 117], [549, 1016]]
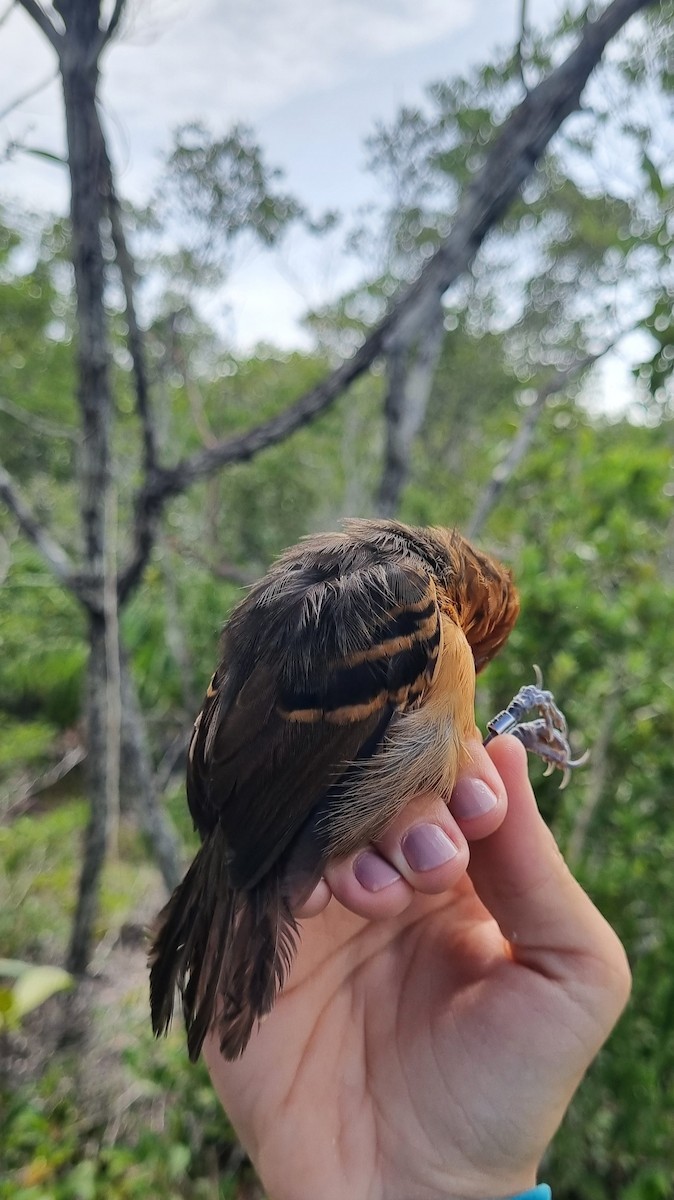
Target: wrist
[[541, 1192]]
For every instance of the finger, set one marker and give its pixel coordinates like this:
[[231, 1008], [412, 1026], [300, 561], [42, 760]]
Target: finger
[[315, 902], [423, 850], [479, 801], [522, 879], [368, 885], [425, 845], [479, 804]]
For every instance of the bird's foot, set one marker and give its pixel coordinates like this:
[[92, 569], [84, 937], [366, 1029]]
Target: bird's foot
[[546, 736]]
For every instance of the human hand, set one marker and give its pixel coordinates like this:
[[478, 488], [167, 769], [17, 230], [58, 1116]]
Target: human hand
[[436, 1022]]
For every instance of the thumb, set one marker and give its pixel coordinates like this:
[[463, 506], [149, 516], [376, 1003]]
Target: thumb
[[551, 924]]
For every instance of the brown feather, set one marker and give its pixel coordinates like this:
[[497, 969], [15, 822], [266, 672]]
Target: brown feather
[[346, 685]]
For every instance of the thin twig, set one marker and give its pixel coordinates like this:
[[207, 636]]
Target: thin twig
[[519, 48], [27, 801], [49, 548], [505, 470], [171, 757], [38, 425], [136, 342], [113, 693], [106, 34], [222, 569]]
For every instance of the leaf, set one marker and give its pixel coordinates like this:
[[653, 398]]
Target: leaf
[[33, 985], [48, 155]]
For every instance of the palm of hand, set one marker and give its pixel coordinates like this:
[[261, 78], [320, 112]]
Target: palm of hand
[[423, 1056], [372, 1045]]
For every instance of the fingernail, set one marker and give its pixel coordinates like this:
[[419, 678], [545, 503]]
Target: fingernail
[[472, 798], [374, 873], [427, 846]]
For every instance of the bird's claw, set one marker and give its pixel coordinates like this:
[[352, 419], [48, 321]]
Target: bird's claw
[[546, 736]]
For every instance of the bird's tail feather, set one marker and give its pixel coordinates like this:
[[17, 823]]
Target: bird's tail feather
[[227, 950]]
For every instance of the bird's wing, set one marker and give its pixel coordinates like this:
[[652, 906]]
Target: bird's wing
[[325, 672]]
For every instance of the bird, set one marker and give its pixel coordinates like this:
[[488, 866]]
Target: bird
[[346, 686]]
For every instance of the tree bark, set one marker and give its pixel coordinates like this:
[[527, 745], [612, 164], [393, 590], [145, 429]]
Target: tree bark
[[96, 837], [411, 371], [88, 181], [139, 783]]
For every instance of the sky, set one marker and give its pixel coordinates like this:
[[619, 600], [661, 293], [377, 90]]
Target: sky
[[311, 76]]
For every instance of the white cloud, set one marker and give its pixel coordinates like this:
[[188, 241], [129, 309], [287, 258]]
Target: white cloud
[[261, 53]]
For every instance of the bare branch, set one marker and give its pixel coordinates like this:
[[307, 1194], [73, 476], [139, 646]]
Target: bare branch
[[112, 684], [522, 440], [514, 154], [53, 554], [136, 341], [172, 759], [38, 425], [222, 569], [108, 33], [411, 370], [519, 48], [41, 19], [27, 95], [30, 797]]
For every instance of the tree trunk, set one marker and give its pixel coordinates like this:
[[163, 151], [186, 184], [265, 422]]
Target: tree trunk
[[88, 202], [139, 784], [96, 837], [87, 177], [411, 370]]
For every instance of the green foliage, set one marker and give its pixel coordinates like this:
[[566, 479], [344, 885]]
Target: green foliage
[[39, 865], [25, 987], [597, 602], [37, 430], [585, 523], [24, 741], [169, 1140], [217, 191], [471, 416], [40, 672]]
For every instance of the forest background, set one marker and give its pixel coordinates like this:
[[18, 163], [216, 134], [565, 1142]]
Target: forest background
[[149, 472]]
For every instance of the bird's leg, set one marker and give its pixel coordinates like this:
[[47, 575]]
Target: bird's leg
[[546, 736]]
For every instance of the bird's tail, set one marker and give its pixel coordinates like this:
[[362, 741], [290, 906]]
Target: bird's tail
[[228, 951]]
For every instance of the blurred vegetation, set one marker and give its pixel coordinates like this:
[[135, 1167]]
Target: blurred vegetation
[[586, 523]]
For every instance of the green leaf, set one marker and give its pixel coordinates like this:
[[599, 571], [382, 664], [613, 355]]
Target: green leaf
[[33, 985]]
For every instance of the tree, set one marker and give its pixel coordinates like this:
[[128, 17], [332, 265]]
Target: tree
[[107, 571]]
